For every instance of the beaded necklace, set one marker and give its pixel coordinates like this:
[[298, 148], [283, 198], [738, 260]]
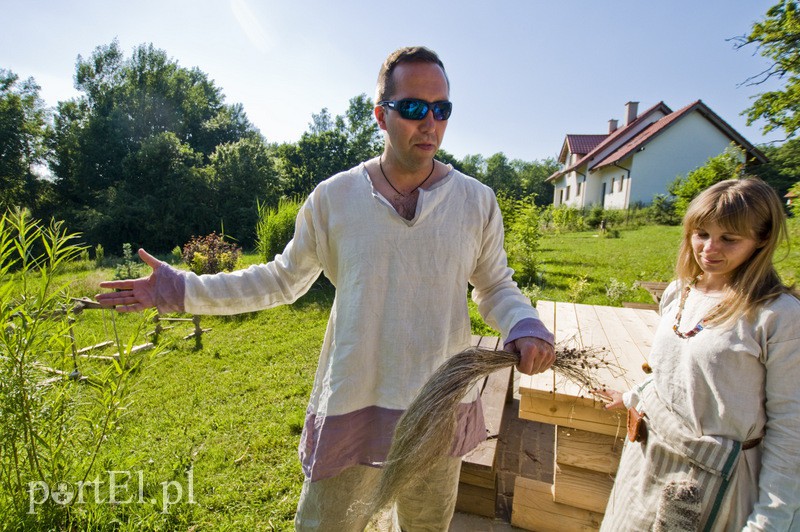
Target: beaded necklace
[[700, 326]]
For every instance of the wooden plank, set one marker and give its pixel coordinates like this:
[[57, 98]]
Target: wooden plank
[[493, 399], [582, 488], [476, 500], [475, 476], [482, 456], [645, 306], [588, 450], [534, 509], [572, 414]]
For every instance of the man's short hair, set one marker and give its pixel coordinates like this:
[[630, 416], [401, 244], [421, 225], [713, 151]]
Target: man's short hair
[[409, 54]]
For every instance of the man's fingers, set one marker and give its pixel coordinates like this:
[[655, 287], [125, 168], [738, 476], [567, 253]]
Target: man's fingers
[[149, 259]]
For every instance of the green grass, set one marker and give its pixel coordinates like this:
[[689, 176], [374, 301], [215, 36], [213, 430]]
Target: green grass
[[233, 410]]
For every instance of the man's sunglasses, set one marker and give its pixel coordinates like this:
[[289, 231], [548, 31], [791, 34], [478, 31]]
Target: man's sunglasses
[[414, 109]]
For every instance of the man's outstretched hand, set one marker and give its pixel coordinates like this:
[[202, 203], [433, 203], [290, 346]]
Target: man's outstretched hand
[[133, 295]]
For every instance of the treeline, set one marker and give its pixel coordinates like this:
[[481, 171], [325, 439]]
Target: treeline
[[150, 154]]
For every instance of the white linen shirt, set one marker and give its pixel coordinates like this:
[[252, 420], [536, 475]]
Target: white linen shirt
[[400, 308]]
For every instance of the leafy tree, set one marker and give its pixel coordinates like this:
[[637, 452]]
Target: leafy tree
[[532, 176], [475, 166], [727, 165], [242, 174], [313, 158], [105, 141], [500, 176], [359, 125], [777, 38], [783, 168], [330, 146], [23, 129]]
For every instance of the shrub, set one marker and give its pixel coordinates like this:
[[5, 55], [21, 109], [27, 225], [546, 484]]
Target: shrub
[[129, 268], [56, 417], [567, 219], [210, 254], [275, 227], [618, 291], [662, 210], [99, 255], [522, 241], [578, 289]]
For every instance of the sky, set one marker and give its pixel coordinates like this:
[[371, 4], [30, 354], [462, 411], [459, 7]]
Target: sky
[[523, 73]]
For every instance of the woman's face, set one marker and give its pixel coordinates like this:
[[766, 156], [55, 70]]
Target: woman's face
[[719, 252]]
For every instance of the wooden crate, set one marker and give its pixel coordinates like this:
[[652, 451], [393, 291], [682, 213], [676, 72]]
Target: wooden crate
[[589, 439], [535, 509]]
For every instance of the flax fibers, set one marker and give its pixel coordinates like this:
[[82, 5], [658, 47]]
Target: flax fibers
[[424, 434]]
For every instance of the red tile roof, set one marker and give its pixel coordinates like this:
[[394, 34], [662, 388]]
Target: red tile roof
[[583, 144]]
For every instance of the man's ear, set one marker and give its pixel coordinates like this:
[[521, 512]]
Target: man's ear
[[380, 116]]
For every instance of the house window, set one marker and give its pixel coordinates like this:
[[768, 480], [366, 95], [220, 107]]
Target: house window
[[621, 179], [561, 196], [578, 190], [613, 181], [567, 198]]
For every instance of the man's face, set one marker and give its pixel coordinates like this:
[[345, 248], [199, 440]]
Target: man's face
[[414, 143]]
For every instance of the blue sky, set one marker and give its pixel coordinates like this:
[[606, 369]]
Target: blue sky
[[523, 73]]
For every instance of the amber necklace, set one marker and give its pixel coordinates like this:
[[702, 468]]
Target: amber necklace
[[433, 167], [700, 326]]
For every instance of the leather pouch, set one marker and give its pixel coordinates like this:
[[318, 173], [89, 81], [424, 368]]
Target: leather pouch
[[637, 430]]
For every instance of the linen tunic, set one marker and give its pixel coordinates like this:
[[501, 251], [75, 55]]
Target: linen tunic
[[400, 308], [728, 383]]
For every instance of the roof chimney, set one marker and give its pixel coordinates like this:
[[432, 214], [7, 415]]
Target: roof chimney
[[631, 112], [612, 125]]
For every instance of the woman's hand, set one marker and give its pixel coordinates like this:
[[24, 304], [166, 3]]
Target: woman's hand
[[612, 398]]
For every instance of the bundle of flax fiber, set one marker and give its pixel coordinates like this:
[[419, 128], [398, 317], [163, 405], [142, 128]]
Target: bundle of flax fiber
[[424, 434]]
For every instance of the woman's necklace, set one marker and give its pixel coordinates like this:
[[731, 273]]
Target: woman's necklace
[[700, 326]]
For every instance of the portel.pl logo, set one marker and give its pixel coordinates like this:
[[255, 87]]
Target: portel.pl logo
[[118, 488]]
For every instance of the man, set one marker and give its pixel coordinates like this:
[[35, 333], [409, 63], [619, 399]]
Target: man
[[400, 237]]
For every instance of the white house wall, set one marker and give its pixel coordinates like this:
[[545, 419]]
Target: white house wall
[[679, 149], [569, 181]]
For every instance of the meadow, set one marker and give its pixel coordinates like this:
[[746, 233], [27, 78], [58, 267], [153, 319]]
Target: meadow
[[222, 423]]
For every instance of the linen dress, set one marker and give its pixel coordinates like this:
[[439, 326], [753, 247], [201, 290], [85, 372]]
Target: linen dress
[[708, 394]]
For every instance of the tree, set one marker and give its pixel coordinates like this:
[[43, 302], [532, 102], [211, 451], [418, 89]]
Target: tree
[[532, 177], [137, 116], [330, 146], [164, 200], [727, 165], [783, 169], [243, 176], [777, 38], [359, 125], [23, 129], [500, 176]]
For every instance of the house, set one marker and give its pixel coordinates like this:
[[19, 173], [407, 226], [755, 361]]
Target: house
[[633, 163]]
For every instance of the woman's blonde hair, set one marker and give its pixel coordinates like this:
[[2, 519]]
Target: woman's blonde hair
[[746, 206]]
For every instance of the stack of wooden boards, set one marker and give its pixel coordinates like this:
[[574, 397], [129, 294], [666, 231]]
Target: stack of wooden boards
[[588, 438]]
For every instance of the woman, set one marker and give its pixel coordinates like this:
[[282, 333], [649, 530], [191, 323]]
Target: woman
[[720, 449]]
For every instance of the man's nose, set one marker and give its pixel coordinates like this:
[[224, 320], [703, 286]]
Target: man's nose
[[428, 122]]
